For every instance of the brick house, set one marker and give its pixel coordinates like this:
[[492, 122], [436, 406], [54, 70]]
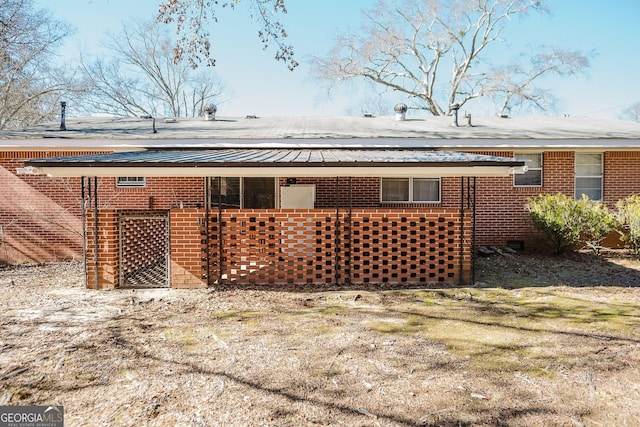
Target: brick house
[[294, 200]]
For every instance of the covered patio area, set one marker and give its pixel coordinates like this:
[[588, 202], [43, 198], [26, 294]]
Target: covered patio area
[[285, 243]]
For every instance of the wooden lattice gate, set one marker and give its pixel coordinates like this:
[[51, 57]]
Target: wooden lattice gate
[[144, 250]]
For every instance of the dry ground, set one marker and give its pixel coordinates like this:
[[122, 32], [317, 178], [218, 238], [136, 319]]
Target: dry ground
[[539, 342]]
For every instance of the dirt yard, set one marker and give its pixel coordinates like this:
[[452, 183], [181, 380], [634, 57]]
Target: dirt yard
[[539, 341]]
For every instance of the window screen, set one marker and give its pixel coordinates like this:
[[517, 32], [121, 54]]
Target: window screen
[[589, 176]]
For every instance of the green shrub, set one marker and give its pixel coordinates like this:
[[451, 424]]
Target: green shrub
[[566, 222], [596, 223], [557, 217], [629, 219]]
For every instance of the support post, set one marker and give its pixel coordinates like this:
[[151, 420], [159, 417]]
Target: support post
[[347, 278], [461, 260], [337, 234], [207, 206], [84, 233], [220, 239], [473, 232]]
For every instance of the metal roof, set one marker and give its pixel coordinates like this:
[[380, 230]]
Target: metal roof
[[278, 162]]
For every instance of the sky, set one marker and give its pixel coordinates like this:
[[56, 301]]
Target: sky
[[259, 85]]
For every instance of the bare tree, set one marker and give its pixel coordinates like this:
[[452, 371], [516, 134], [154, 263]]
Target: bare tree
[[142, 79], [632, 112], [30, 86], [192, 16], [408, 46], [511, 86]]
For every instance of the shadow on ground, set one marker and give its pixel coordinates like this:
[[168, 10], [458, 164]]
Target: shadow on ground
[[575, 269]]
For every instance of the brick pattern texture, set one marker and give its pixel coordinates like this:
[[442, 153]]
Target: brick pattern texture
[[322, 246], [40, 217]]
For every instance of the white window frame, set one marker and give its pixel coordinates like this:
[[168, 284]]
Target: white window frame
[[131, 182], [439, 180], [530, 169], [600, 176]]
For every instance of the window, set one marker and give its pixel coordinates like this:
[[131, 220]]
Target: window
[[589, 176], [410, 190], [246, 193], [131, 182], [533, 176], [226, 191]]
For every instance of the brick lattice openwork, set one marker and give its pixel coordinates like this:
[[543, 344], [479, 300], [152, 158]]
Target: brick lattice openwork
[[319, 246], [404, 248]]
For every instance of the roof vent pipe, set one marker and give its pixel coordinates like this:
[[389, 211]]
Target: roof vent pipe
[[453, 108], [210, 112], [401, 112], [63, 107]]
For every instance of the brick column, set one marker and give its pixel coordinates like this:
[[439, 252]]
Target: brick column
[[186, 248], [108, 250]]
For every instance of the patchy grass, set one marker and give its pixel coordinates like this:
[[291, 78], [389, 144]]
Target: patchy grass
[[495, 355]]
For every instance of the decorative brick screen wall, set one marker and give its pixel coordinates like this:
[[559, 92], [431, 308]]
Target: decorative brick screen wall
[[275, 247], [286, 247]]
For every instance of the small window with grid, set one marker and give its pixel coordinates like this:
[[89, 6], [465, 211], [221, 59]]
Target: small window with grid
[[131, 182]]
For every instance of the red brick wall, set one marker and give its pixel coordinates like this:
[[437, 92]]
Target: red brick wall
[[40, 216], [501, 213], [622, 175], [105, 264], [299, 246], [159, 193], [365, 192], [288, 246], [187, 248]]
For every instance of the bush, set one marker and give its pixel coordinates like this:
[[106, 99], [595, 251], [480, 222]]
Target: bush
[[557, 217], [596, 223], [566, 222], [629, 219]]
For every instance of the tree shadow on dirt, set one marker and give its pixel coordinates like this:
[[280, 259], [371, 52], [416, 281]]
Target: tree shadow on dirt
[[574, 269]]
